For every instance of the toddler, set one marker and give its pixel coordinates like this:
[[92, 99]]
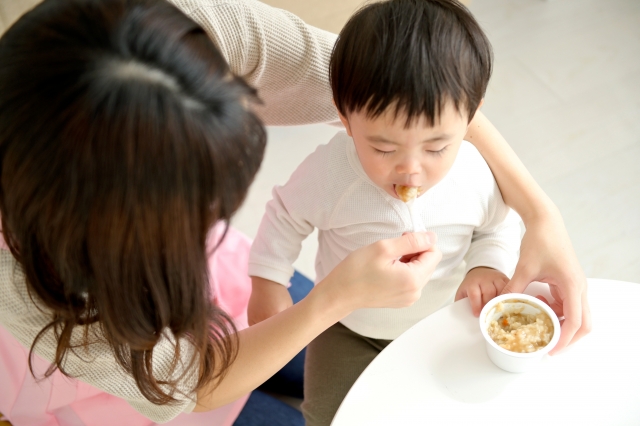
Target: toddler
[[407, 77]]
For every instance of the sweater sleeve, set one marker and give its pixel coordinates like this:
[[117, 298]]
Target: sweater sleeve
[[95, 364], [276, 52], [298, 207], [495, 244]]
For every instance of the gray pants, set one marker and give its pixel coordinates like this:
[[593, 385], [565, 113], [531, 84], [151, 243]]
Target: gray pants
[[334, 361]]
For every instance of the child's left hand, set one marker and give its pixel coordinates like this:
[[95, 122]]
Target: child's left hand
[[481, 285]]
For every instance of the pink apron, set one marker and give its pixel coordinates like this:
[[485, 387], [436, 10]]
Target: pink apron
[[59, 400]]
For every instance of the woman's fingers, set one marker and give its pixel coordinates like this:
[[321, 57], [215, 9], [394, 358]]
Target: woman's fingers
[[577, 319], [375, 277], [520, 280], [586, 326], [420, 257], [570, 301], [409, 246], [428, 259]]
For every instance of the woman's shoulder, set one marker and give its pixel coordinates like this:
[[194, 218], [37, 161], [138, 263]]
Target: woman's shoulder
[[23, 318], [16, 305], [274, 51]]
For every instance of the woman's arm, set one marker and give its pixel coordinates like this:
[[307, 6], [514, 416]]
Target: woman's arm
[[519, 190], [546, 253], [274, 51], [370, 277]]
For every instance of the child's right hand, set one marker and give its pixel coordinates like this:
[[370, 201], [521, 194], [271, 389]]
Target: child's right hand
[[267, 299]]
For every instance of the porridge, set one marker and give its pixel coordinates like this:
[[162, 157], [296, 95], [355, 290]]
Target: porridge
[[519, 332]]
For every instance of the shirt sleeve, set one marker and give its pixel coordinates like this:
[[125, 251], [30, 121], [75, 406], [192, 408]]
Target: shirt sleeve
[[276, 52], [298, 207], [496, 243]]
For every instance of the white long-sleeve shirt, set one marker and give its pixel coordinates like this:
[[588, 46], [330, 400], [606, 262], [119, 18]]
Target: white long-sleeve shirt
[[331, 191]]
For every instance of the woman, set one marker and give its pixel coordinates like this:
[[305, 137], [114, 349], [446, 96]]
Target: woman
[[124, 139]]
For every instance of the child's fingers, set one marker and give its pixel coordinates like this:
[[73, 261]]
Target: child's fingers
[[489, 291], [475, 297], [461, 293]]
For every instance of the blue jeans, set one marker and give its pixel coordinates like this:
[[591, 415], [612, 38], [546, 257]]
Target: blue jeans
[[263, 409]]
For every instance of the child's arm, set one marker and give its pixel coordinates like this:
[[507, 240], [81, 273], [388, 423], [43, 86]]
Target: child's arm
[[275, 248], [491, 257], [267, 299], [285, 224], [296, 209]]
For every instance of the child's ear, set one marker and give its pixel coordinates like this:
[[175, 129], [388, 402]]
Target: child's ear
[[345, 121]]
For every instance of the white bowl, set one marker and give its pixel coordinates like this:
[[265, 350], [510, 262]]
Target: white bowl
[[516, 362]]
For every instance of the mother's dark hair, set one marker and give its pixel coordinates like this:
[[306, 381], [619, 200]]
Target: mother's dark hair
[[123, 138]]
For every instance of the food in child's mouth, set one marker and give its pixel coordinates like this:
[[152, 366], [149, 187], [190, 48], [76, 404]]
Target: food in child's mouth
[[519, 332], [407, 193]]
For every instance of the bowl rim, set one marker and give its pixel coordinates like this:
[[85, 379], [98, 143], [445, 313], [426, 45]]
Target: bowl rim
[[537, 302]]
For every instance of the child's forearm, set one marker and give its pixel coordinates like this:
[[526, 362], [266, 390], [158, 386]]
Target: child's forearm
[[259, 282], [268, 298], [519, 190]]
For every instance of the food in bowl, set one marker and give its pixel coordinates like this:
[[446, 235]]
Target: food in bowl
[[516, 331]]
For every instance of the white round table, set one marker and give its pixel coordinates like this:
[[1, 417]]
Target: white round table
[[438, 373]]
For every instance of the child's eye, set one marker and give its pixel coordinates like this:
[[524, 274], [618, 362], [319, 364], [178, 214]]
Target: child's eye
[[383, 153], [440, 152]]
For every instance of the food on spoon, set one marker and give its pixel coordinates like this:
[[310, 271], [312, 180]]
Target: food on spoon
[[407, 193]]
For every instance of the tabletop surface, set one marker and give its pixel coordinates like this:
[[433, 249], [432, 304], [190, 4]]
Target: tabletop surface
[[438, 372]]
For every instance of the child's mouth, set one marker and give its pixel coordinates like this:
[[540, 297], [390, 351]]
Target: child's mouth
[[406, 193]]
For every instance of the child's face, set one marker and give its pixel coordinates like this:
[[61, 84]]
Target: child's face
[[417, 156]]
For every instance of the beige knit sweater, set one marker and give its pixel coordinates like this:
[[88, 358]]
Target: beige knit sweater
[[287, 61], [276, 52]]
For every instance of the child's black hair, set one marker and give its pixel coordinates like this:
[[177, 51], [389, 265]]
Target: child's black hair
[[413, 56]]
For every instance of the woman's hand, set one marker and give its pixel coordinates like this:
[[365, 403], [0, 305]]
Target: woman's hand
[[481, 285], [388, 274], [546, 255]]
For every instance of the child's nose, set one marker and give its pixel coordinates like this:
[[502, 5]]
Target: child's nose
[[409, 166]]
